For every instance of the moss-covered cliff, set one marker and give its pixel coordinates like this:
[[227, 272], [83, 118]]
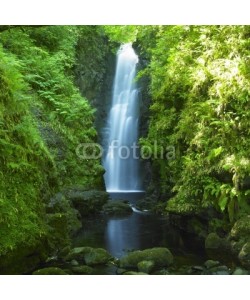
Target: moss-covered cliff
[[43, 118]]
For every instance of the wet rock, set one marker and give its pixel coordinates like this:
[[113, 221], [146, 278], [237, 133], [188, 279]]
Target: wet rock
[[240, 234], [161, 272], [64, 252], [87, 202], [197, 268], [222, 273], [220, 270], [77, 253], [120, 271], [90, 256], [117, 208], [134, 273], [62, 217], [161, 257], [146, 266], [241, 228], [83, 270], [239, 271], [211, 263], [213, 241], [50, 271], [97, 256], [244, 255], [74, 263]]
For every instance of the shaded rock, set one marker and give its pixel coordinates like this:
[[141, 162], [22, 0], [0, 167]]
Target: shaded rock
[[146, 266], [89, 256], [239, 271], [220, 270], [64, 252], [97, 256], [60, 207], [211, 263], [244, 255], [120, 271], [222, 273], [74, 263], [213, 241], [87, 202], [197, 268], [77, 253], [161, 257], [25, 258], [117, 208], [240, 234], [161, 272], [134, 273], [241, 229], [83, 270], [50, 271]]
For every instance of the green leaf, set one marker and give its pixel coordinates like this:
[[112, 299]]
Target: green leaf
[[222, 202]]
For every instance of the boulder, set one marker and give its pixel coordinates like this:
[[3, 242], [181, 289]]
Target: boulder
[[213, 241], [120, 271], [240, 234], [161, 257], [146, 266], [97, 256], [74, 263], [161, 272], [211, 263], [244, 256], [50, 271], [241, 229], [89, 256], [117, 208], [77, 253], [134, 273], [59, 210], [239, 271], [83, 270], [87, 202]]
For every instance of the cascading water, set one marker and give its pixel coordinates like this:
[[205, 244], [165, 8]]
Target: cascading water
[[121, 160]]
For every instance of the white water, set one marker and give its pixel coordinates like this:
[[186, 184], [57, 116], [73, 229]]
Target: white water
[[121, 160]]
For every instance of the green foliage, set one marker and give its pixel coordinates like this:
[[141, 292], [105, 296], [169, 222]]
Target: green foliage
[[43, 118], [200, 89], [121, 33], [23, 161]]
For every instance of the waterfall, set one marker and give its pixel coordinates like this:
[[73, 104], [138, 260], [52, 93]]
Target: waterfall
[[121, 156]]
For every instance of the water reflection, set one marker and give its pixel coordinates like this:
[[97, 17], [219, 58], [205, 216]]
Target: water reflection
[[138, 231]]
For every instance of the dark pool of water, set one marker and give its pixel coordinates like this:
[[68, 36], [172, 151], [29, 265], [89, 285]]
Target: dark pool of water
[[137, 232]]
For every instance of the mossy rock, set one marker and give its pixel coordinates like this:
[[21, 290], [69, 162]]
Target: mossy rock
[[97, 256], [146, 266], [239, 271], [50, 271], [244, 256], [24, 259], [83, 270], [240, 234], [211, 263], [161, 257], [241, 229], [117, 208], [213, 241], [90, 256], [134, 273], [77, 253], [87, 202]]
